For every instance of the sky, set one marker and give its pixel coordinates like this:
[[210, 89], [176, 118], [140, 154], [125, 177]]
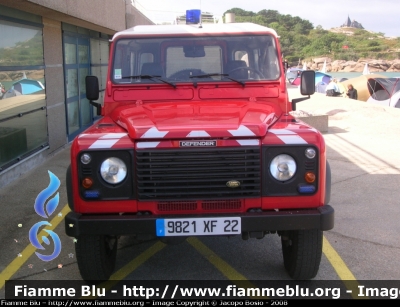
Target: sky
[[377, 16]]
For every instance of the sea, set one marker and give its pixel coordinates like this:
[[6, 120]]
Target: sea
[[350, 75]]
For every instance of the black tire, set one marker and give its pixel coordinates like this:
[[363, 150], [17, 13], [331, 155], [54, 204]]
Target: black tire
[[96, 256], [302, 250]]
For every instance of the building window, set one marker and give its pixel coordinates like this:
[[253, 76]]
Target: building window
[[23, 123]]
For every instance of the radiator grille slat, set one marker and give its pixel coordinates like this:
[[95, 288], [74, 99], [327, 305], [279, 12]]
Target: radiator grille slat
[[197, 173], [206, 205]]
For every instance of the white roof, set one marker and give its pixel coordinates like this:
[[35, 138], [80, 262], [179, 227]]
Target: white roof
[[195, 29]]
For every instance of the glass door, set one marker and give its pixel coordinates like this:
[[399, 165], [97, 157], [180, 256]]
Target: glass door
[[76, 68]]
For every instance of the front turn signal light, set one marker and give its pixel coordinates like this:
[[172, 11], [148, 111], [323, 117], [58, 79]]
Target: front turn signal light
[[309, 177], [87, 183]]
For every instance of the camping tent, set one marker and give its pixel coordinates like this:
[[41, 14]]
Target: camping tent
[[27, 86], [360, 84], [296, 81], [292, 73], [322, 77], [384, 91], [320, 87]]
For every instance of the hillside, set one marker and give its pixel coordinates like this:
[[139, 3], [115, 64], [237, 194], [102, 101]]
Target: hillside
[[300, 40]]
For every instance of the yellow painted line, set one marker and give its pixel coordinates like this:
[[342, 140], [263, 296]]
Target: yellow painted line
[[227, 270], [17, 263], [130, 267], [333, 257], [138, 261], [341, 268]]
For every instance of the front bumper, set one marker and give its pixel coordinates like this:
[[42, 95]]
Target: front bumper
[[77, 224]]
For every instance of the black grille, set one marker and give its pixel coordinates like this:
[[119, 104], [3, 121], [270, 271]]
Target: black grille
[[222, 204], [177, 206], [309, 165], [197, 173], [86, 170]]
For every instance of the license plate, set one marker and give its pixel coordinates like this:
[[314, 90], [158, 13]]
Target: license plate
[[198, 226]]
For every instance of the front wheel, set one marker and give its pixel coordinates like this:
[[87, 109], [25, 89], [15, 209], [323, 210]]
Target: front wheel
[[302, 250], [96, 256]]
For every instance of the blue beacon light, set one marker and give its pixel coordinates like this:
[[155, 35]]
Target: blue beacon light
[[193, 17]]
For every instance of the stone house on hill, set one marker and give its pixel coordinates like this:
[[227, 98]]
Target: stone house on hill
[[352, 24]]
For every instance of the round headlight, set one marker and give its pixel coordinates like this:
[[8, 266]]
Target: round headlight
[[282, 167], [310, 153], [113, 170], [86, 158]]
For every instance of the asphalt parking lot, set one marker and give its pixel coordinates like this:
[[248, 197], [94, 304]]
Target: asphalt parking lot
[[363, 142]]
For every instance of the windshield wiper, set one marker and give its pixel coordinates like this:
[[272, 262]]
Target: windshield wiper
[[218, 74], [151, 77]]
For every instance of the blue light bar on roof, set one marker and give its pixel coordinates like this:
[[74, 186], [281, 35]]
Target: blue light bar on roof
[[193, 17]]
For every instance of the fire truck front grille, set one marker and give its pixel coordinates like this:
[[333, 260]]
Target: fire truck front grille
[[206, 205], [198, 173], [177, 206], [233, 204]]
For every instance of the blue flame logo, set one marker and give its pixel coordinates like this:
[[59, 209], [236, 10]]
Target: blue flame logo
[[45, 210], [45, 194]]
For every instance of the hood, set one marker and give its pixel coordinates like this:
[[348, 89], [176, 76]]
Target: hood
[[196, 120]]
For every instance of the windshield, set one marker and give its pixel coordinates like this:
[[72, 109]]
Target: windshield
[[195, 59]]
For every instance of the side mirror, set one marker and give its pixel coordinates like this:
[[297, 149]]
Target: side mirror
[[307, 86], [92, 92], [92, 87]]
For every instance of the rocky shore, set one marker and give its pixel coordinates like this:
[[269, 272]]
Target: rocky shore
[[352, 66]]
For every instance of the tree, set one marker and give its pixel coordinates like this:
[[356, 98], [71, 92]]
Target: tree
[[299, 38], [240, 12]]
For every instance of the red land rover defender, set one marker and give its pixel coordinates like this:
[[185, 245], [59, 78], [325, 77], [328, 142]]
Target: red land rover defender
[[196, 138]]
